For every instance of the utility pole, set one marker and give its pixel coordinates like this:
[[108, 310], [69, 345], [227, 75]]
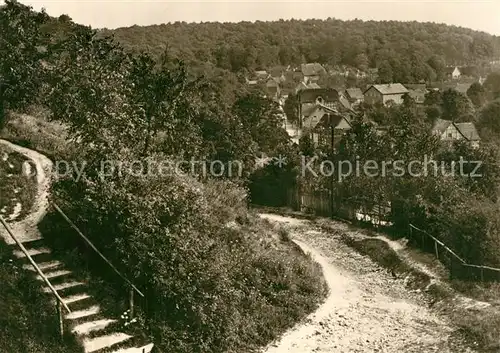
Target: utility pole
[[332, 182]]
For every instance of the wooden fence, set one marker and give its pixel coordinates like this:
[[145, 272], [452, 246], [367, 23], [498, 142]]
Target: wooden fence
[[320, 203], [457, 266]]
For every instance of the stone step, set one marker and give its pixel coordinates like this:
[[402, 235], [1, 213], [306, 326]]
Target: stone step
[[54, 274], [32, 252], [75, 298], [43, 266], [145, 349], [64, 285], [107, 341], [74, 315], [92, 326]]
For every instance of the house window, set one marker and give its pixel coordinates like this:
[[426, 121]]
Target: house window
[[450, 135]]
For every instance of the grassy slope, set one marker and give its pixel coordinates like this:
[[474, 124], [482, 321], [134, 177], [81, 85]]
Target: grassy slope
[[264, 319]]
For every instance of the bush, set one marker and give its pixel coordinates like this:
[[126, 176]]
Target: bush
[[209, 288]]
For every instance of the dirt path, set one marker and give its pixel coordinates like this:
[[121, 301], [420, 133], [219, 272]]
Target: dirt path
[[26, 230], [367, 310]]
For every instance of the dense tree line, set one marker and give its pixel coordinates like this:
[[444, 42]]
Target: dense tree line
[[403, 51]]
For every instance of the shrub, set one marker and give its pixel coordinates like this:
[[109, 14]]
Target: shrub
[[209, 288]]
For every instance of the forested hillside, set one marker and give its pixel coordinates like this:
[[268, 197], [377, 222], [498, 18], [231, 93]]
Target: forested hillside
[[410, 50]]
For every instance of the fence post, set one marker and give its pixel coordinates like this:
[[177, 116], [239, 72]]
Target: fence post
[[131, 303], [482, 274], [60, 319], [436, 249]]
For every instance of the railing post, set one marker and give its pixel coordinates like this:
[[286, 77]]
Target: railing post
[[131, 302], [60, 319]]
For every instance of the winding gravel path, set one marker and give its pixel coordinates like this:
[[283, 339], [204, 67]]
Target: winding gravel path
[[367, 310], [27, 229]]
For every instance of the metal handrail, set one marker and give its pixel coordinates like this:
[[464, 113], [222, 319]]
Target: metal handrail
[[33, 263], [132, 286]]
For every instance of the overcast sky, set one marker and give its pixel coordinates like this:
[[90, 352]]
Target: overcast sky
[[481, 15]]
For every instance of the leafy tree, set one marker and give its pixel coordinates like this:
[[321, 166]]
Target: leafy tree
[[291, 108], [492, 85], [438, 64], [456, 106], [164, 98], [489, 119], [385, 73], [89, 91], [21, 59], [261, 117], [433, 98], [477, 94]]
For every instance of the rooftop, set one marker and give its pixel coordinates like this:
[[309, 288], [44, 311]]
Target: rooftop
[[312, 69], [390, 88], [468, 130]]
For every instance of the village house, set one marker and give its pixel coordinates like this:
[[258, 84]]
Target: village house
[[261, 75], [251, 82], [303, 85], [312, 72], [354, 95], [418, 95], [273, 88], [313, 104], [322, 123], [383, 94], [277, 74], [449, 131], [453, 72]]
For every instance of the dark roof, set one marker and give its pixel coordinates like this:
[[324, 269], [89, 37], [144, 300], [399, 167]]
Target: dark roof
[[276, 72], [468, 130], [312, 69], [390, 88], [308, 109], [310, 95]]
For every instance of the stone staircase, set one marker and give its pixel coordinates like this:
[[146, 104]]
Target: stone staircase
[[86, 321]]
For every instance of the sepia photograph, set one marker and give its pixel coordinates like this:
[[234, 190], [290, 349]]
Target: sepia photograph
[[201, 176]]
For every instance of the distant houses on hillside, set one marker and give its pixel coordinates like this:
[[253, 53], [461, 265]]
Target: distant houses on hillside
[[279, 82]]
